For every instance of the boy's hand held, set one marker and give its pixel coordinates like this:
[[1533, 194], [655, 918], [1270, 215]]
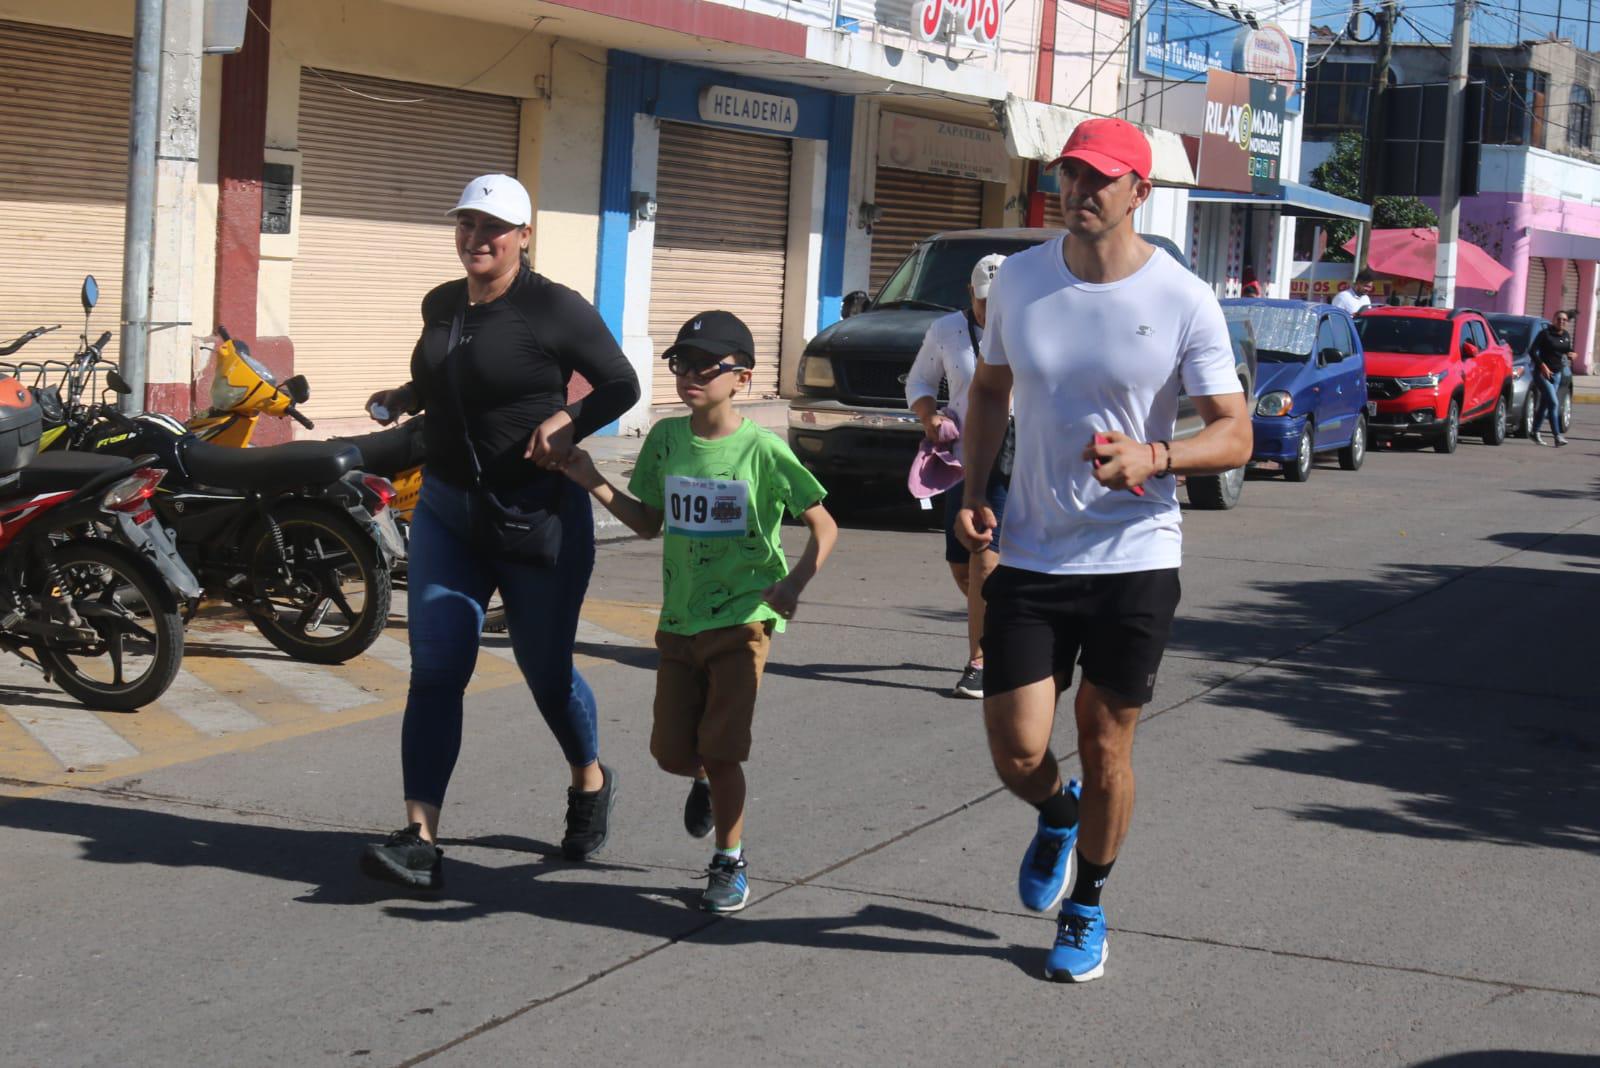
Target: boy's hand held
[[579, 467], [782, 598]]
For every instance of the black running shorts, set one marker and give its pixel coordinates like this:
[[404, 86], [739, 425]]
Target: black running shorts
[[1116, 626]]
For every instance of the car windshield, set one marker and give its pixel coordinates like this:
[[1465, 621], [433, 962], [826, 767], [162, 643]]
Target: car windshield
[[1516, 332], [1404, 334], [938, 272], [1282, 335]]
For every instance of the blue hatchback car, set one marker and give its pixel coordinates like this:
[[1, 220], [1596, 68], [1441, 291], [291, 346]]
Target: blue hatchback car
[[1311, 385]]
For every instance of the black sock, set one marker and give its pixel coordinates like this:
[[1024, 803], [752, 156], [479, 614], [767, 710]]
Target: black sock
[[1060, 810], [1091, 879]]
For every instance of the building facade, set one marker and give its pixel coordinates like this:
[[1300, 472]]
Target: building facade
[[1537, 210]]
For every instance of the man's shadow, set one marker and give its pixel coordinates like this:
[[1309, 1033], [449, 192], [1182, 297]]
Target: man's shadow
[[112, 834]]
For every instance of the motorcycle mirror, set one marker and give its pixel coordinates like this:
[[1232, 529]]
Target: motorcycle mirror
[[118, 386], [298, 388], [91, 293]]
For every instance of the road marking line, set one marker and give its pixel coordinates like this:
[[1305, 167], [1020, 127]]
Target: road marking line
[[150, 728], [391, 651], [198, 704], [594, 634], [75, 736], [21, 754], [253, 689], [321, 686]]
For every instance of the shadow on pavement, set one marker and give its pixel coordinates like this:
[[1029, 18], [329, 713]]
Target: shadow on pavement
[[327, 859], [1479, 730], [1499, 1058]]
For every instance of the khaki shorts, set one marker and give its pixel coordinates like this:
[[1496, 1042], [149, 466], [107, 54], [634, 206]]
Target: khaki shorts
[[706, 693]]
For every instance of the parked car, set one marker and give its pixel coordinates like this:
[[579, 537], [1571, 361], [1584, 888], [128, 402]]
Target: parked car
[[1432, 371], [850, 425], [1518, 332], [1311, 393]]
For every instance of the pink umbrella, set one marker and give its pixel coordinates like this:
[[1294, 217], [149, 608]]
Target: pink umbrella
[[1410, 254]]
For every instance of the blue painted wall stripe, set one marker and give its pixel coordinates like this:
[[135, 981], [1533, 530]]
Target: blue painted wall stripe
[[836, 211]]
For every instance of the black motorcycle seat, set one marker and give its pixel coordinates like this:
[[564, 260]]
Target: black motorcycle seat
[[53, 472], [271, 467], [389, 452]]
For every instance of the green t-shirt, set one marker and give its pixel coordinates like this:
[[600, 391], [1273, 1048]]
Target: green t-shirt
[[723, 505]]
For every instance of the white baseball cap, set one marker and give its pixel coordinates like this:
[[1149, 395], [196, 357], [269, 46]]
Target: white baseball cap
[[983, 273], [499, 195]]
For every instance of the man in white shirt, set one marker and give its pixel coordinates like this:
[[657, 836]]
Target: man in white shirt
[[949, 354], [1092, 333], [1356, 298]]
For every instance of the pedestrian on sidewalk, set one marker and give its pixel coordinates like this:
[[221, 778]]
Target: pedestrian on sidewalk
[[949, 353], [1094, 333], [1550, 351], [720, 484], [491, 368]]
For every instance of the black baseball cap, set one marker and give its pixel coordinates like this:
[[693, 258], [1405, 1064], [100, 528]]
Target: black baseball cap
[[713, 333]]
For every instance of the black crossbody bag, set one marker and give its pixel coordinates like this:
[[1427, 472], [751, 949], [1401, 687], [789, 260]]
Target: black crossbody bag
[[524, 531], [1007, 456]]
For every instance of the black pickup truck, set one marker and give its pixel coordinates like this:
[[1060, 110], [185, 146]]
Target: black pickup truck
[[850, 425]]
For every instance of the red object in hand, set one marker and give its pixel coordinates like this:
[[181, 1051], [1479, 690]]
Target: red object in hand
[[1103, 439]]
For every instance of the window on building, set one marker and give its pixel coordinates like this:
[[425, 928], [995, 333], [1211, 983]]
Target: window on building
[[1538, 108], [1515, 106], [1580, 118], [1336, 98]]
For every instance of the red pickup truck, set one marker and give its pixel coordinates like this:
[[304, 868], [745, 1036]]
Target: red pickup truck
[[1431, 371]]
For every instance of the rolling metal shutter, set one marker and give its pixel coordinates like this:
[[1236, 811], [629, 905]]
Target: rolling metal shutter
[[63, 178], [376, 180], [722, 237], [1569, 288], [1533, 301], [915, 206]]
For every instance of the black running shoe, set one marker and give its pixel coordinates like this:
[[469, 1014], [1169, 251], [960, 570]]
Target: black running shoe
[[406, 858], [697, 810], [589, 818], [971, 682]]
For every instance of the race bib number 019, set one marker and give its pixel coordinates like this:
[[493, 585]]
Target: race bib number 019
[[707, 508]]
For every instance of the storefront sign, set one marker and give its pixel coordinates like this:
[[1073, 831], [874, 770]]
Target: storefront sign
[[1180, 41], [1323, 290], [978, 19], [757, 111], [1241, 142], [935, 147]]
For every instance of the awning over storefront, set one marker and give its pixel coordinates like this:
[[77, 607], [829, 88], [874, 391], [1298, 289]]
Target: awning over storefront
[[1294, 199], [1563, 246], [1037, 131]]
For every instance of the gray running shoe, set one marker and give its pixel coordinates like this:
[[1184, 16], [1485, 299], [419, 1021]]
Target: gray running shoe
[[728, 890], [971, 682]]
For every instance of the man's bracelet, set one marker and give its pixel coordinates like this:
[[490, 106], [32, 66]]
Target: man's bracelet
[[1167, 446]]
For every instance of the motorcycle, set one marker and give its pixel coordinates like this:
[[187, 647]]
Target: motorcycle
[[100, 619], [294, 535]]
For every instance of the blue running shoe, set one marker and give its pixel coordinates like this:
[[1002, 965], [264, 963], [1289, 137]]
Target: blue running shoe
[[728, 890], [1047, 865], [1079, 954]]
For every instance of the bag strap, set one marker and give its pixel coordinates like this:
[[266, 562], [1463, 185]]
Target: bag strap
[[972, 332], [453, 388]]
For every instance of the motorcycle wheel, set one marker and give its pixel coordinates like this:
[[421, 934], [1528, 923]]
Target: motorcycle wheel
[[126, 602], [494, 619], [336, 602]]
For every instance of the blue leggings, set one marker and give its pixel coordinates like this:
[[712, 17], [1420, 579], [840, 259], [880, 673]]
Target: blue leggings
[[1549, 402], [449, 584]]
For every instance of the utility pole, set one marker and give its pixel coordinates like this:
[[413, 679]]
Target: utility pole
[[138, 231], [1377, 121], [1444, 264]]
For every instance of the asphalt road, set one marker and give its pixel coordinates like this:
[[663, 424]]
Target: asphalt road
[[1368, 833]]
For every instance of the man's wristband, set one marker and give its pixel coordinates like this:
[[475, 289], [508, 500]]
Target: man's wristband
[[1167, 448]]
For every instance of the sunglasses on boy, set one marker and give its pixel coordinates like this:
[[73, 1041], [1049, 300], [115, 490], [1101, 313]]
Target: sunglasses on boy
[[685, 367]]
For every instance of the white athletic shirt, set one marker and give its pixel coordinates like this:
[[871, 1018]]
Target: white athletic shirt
[[1351, 302], [1087, 358], [946, 353]]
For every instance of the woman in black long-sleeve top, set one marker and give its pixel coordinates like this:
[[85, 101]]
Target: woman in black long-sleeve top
[[1550, 351], [491, 368]]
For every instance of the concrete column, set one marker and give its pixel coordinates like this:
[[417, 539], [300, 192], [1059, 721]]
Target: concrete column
[[636, 340], [172, 333], [802, 289], [1583, 333]]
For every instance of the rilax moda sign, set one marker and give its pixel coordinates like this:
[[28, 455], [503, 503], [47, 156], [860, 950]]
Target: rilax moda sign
[[978, 19], [757, 111], [1241, 142]]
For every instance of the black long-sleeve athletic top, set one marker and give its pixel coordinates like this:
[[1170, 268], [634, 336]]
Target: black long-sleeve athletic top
[[512, 366]]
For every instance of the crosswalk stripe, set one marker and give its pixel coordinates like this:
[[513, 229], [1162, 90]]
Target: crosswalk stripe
[[22, 756], [198, 704], [594, 634], [240, 680], [75, 736], [391, 651], [319, 685]]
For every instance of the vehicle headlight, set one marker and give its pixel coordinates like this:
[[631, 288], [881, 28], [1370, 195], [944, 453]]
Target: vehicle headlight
[[816, 372], [1276, 403], [1423, 382]]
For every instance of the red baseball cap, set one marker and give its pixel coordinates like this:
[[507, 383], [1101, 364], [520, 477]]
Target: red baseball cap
[[1111, 146]]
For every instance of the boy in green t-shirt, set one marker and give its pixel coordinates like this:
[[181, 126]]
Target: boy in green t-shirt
[[720, 484]]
